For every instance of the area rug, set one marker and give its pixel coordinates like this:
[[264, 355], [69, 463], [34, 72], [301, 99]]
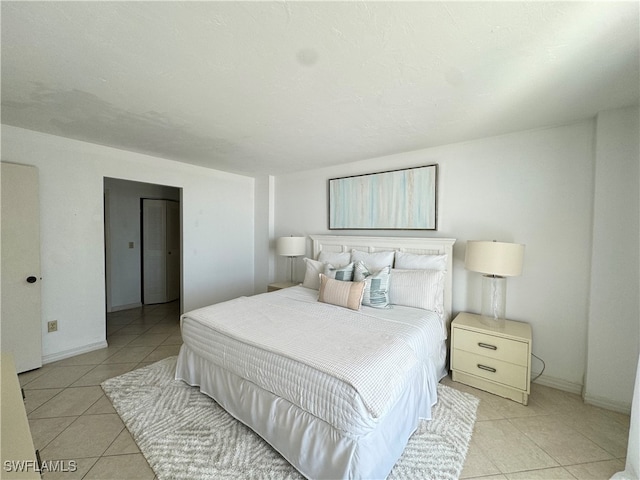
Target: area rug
[[184, 434]]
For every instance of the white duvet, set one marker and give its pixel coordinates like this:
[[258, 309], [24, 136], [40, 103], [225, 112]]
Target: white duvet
[[347, 368]]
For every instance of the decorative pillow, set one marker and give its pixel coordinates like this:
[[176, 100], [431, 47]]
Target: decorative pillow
[[376, 285], [344, 274], [412, 261], [312, 273], [373, 261], [342, 294], [418, 288], [339, 259]]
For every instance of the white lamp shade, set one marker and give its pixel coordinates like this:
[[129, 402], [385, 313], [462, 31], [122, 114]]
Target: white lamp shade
[[494, 258], [291, 246]]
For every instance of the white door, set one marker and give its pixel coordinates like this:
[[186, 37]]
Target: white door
[[20, 315], [173, 251], [154, 247], [160, 251]]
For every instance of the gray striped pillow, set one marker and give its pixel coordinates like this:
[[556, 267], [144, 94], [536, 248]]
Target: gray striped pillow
[[376, 285]]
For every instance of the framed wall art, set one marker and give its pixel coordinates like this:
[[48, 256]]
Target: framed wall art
[[403, 199]]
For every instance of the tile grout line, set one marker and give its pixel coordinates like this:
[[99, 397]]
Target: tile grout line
[[545, 449]]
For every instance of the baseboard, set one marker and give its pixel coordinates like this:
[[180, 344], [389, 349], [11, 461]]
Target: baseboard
[[620, 407], [576, 388], [129, 306], [54, 357], [559, 384]]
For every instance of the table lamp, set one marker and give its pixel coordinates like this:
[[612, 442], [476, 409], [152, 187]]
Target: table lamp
[[496, 260], [291, 247]]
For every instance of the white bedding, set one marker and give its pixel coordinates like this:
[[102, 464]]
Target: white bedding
[[323, 405], [293, 346]]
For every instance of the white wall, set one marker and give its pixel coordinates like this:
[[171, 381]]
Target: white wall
[[531, 187], [218, 230], [264, 208], [124, 264], [614, 313]]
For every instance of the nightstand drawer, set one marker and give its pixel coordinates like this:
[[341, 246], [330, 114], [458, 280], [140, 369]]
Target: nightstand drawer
[[504, 349], [495, 370]]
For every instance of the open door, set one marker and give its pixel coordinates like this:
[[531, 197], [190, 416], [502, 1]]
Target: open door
[[21, 317]]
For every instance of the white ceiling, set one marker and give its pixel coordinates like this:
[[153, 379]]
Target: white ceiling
[[273, 87]]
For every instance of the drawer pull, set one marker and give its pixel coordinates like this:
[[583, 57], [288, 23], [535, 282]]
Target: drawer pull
[[486, 345], [488, 369]]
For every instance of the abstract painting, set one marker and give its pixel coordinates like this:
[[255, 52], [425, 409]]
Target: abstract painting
[[398, 200]]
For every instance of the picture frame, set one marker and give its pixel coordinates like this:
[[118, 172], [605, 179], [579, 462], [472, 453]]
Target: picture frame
[[403, 199]]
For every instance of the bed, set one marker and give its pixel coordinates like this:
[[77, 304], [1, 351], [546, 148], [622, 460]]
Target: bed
[[336, 391]]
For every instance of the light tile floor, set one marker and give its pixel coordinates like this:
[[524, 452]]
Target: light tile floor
[[556, 436]]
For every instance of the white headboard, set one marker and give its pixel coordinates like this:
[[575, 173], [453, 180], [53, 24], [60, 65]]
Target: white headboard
[[425, 246]]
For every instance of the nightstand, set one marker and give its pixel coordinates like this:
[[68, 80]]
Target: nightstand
[[495, 359], [15, 426], [272, 287]]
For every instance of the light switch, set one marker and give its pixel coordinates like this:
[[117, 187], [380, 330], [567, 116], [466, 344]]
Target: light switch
[[130, 244]]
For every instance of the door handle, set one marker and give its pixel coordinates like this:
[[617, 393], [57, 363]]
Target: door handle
[[32, 279]]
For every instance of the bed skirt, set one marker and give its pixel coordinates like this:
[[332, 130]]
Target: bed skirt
[[315, 448]]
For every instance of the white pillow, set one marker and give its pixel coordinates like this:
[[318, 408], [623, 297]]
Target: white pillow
[[344, 274], [338, 259], [342, 294], [312, 273], [418, 288], [375, 261], [376, 285], [412, 261]]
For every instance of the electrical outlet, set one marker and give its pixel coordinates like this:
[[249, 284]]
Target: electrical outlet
[[52, 326]]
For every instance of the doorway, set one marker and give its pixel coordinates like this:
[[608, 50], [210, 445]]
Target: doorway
[[124, 239]]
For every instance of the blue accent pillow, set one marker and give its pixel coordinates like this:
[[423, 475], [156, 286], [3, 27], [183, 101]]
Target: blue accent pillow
[[376, 289], [344, 274]]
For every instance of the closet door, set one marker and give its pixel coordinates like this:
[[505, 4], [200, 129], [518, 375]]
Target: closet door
[[160, 251], [154, 248], [21, 318]]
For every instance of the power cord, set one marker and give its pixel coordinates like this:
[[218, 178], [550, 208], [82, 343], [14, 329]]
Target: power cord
[[543, 367]]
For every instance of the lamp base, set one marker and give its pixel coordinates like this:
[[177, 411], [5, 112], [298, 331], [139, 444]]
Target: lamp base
[[494, 299], [291, 265]]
